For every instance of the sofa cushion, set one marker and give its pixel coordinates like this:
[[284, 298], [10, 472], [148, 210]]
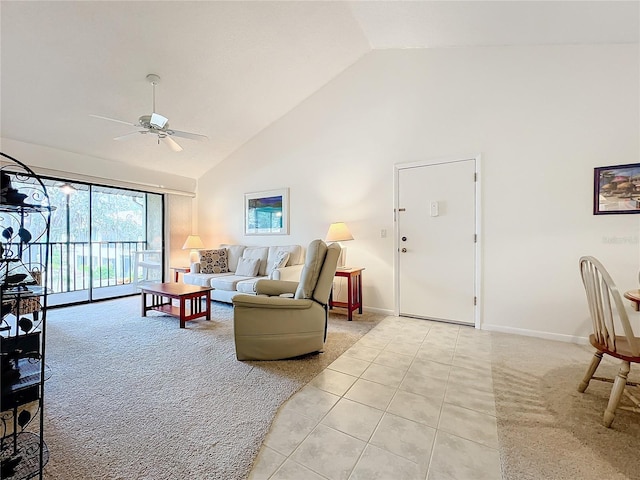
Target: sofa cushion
[[228, 282], [202, 279], [309, 277], [234, 252], [295, 254], [214, 261], [248, 267], [248, 286], [280, 260], [258, 252]]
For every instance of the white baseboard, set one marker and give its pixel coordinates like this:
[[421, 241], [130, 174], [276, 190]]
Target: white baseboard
[[381, 311], [536, 333], [512, 330]]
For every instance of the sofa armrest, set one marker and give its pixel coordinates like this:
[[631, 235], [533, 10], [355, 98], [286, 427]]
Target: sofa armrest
[[289, 274], [255, 301], [275, 287], [195, 267]]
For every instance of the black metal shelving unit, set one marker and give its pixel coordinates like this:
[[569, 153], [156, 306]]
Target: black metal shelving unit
[[25, 216]]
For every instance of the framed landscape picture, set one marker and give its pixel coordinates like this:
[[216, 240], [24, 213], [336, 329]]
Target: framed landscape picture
[[267, 213], [616, 189]]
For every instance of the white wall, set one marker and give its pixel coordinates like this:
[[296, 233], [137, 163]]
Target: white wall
[[178, 227], [542, 118], [39, 156]]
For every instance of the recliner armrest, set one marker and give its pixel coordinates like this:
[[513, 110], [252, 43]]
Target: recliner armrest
[[290, 273], [254, 301], [275, 287]]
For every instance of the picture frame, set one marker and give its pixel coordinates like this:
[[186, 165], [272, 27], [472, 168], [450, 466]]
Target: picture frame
[[616, 189], [267, 213]]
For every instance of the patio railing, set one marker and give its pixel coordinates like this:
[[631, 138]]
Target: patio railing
[[75, 266]]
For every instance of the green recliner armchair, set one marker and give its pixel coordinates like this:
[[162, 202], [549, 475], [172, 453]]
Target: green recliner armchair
[[287, 319]]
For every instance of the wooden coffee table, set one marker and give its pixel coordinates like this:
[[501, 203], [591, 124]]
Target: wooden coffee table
[[162, 295]]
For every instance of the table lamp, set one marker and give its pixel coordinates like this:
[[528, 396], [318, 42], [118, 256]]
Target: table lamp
[[193, 243], [338, 232]]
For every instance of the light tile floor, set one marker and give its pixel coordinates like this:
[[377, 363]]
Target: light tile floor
[[407, 401]]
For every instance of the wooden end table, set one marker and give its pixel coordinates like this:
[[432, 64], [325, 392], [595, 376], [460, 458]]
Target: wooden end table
[[178, 270], [354, 290], [163, 293]]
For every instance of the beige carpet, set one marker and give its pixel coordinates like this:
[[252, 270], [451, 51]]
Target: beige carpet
[[139, 398], [549, 431]]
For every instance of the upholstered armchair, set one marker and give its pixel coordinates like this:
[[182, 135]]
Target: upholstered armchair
[[287, 319]]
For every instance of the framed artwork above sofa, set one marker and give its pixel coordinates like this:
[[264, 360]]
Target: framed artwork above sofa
[[267, 213]]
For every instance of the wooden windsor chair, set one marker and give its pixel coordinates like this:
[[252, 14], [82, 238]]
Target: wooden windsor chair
[[607, 312]]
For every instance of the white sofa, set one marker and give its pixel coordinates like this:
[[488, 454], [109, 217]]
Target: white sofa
[[227, 284]]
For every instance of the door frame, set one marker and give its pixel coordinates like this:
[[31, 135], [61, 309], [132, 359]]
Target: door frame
[[478, 224]]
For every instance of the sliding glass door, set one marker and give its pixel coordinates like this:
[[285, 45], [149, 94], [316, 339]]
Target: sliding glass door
[[123, 222], [70, 247], [95, 234]]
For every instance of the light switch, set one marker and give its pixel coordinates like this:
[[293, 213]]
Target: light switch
[[434, 209], [383, 233]]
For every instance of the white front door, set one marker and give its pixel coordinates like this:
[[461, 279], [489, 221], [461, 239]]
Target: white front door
[[436, 227]]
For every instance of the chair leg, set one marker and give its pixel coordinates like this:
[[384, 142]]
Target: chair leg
[[595, 362], [616, 393]]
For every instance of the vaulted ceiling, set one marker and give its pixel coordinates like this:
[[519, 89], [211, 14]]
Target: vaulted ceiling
[[230, 69]]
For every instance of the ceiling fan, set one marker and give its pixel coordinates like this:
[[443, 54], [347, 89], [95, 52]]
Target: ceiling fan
[[156, 124]]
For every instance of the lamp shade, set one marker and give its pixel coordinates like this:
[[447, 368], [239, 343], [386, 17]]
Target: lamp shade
[[193, 242], [338, 232]]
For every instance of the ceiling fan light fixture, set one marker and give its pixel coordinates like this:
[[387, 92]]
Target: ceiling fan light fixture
[[158, 121]]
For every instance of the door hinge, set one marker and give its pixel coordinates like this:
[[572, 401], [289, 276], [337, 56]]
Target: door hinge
[[475, 238], [475, 177], [475, 300]]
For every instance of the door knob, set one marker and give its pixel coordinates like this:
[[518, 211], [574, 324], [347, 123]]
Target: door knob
[[404, 250]]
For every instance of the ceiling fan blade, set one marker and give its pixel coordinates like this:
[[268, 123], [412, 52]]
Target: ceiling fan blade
[[115, 120], [127, 136], [171, 143], [189, 135]]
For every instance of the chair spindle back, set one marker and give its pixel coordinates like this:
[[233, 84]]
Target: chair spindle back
[[605, 304]]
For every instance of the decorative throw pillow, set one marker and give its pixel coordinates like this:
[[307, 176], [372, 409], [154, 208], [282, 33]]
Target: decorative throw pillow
[[248, 267], [214, 261], [279, 261]]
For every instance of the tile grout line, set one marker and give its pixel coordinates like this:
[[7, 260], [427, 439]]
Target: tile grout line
[[385, 411], [413, 362]]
